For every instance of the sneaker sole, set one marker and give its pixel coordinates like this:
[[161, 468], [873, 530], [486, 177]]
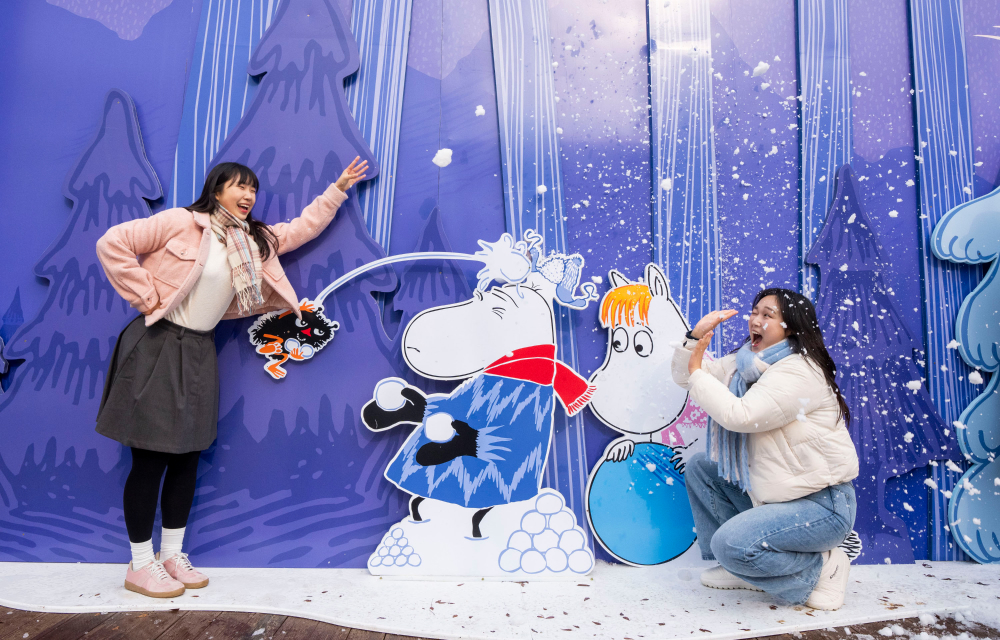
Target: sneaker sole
[[162, 594], [195, 585]]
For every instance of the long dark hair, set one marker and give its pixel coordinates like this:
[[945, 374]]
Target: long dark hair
[[221, 175], [805, 337]]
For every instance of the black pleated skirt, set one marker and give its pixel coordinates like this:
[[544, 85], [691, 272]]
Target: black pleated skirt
[[162, 389]]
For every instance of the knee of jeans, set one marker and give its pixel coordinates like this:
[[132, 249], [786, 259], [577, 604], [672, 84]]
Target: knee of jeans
[[733, 551]]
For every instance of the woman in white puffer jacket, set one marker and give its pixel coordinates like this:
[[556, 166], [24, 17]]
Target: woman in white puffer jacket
[[772, 496]]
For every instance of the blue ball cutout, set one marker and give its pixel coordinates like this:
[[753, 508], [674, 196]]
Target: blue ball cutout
[[639, 507]]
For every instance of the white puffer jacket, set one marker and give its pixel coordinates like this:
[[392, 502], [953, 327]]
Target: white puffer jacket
[[798, 441]]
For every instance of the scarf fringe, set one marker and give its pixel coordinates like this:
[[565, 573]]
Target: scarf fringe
[[577, 405], [248, 297]]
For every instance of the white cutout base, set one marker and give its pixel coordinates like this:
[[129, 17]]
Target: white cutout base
[[536, 539], [615, 601]]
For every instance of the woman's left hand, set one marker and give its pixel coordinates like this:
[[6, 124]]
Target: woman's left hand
[[353, 173], [699, 352]]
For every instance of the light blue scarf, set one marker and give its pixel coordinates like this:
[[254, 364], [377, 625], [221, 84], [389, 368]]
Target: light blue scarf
[[729, 448]]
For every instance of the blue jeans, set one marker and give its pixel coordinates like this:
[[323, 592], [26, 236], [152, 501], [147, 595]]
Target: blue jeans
[[777, 547]]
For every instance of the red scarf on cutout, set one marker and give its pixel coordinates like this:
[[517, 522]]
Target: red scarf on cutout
[[538, 364]]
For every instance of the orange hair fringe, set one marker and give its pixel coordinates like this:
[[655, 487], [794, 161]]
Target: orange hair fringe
[[620, 305]]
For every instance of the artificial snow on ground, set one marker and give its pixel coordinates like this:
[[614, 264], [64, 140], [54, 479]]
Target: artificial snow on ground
[[615, 601]]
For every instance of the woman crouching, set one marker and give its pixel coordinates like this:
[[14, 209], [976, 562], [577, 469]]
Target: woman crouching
[[772, 496]]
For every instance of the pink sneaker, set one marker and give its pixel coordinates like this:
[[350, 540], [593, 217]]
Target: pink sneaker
[[180, 569], [153, 581]]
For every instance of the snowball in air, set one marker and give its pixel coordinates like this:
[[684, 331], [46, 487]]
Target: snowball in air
[[761, 68], [442, 158], [954, 344], [666, 183], [914, 385], [540, 189], [975, 377], [480, 111]]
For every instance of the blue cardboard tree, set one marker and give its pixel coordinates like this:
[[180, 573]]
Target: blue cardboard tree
[[970, 234], [303, 485], [895, 426], [11, 321], [51, 404]]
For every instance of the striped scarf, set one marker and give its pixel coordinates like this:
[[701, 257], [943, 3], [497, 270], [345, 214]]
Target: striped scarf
[[729, 448], [244, 258]]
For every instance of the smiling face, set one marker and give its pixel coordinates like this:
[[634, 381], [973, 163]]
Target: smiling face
[[237, 198], [766, 324], [459, 340]]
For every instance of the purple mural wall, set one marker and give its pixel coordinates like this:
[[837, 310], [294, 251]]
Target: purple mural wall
[[294, 479]]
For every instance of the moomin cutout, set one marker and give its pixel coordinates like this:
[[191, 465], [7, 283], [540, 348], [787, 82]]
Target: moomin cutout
[[475, 461], [636, 498]]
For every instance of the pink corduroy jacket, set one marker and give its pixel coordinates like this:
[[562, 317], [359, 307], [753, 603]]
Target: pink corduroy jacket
[[154, 262]]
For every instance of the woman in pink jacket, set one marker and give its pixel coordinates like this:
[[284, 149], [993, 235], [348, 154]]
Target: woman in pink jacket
[[186, 269]]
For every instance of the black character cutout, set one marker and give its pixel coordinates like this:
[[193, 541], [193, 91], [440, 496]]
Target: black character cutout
[[281, 336]]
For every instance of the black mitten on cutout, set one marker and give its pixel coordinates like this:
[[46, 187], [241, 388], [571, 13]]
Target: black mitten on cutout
[[376, 418], [462, 444]]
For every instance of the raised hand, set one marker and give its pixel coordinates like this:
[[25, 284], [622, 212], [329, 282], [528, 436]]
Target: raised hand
[[699, 352], [352, 174], [711, 321]]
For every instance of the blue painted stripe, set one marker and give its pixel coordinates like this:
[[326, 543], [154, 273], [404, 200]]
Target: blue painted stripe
[[375, 95], [219, 89], [944, 129], [824, 118], [685, 225], [526, 108]]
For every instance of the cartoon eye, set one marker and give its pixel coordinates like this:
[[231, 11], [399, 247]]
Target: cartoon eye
[[643, 343], [319, 332], [300, 323], [619, 340]]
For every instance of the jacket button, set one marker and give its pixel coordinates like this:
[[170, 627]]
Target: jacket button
[[183, 252]]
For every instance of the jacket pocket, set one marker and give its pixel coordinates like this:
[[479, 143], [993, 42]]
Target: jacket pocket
[[176, 263]]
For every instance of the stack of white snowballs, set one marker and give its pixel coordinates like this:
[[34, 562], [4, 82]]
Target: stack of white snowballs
[[394, 550], [548, 539]]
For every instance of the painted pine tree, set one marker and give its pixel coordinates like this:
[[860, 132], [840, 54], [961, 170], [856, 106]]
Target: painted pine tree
[[298, 135], [895, 426], [50, 407]]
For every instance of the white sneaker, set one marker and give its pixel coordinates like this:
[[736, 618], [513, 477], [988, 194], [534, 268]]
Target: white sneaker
[[719, 578], [832, 586]]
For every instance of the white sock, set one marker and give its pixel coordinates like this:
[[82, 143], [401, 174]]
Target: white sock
[[142, 554], [171, 542]]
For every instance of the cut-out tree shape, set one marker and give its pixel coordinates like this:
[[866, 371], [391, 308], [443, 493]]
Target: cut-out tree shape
[[895, 426], [970, 234], [423, 285], [12, 319], [298, 135], [50, 407]]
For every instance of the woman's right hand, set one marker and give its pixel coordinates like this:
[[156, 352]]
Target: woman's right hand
[[711, 321]]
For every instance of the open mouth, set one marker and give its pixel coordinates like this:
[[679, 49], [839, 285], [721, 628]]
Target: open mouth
[[755, 339], [244, 207]]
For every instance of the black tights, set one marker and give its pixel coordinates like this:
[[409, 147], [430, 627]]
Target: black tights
[[143, 485]]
